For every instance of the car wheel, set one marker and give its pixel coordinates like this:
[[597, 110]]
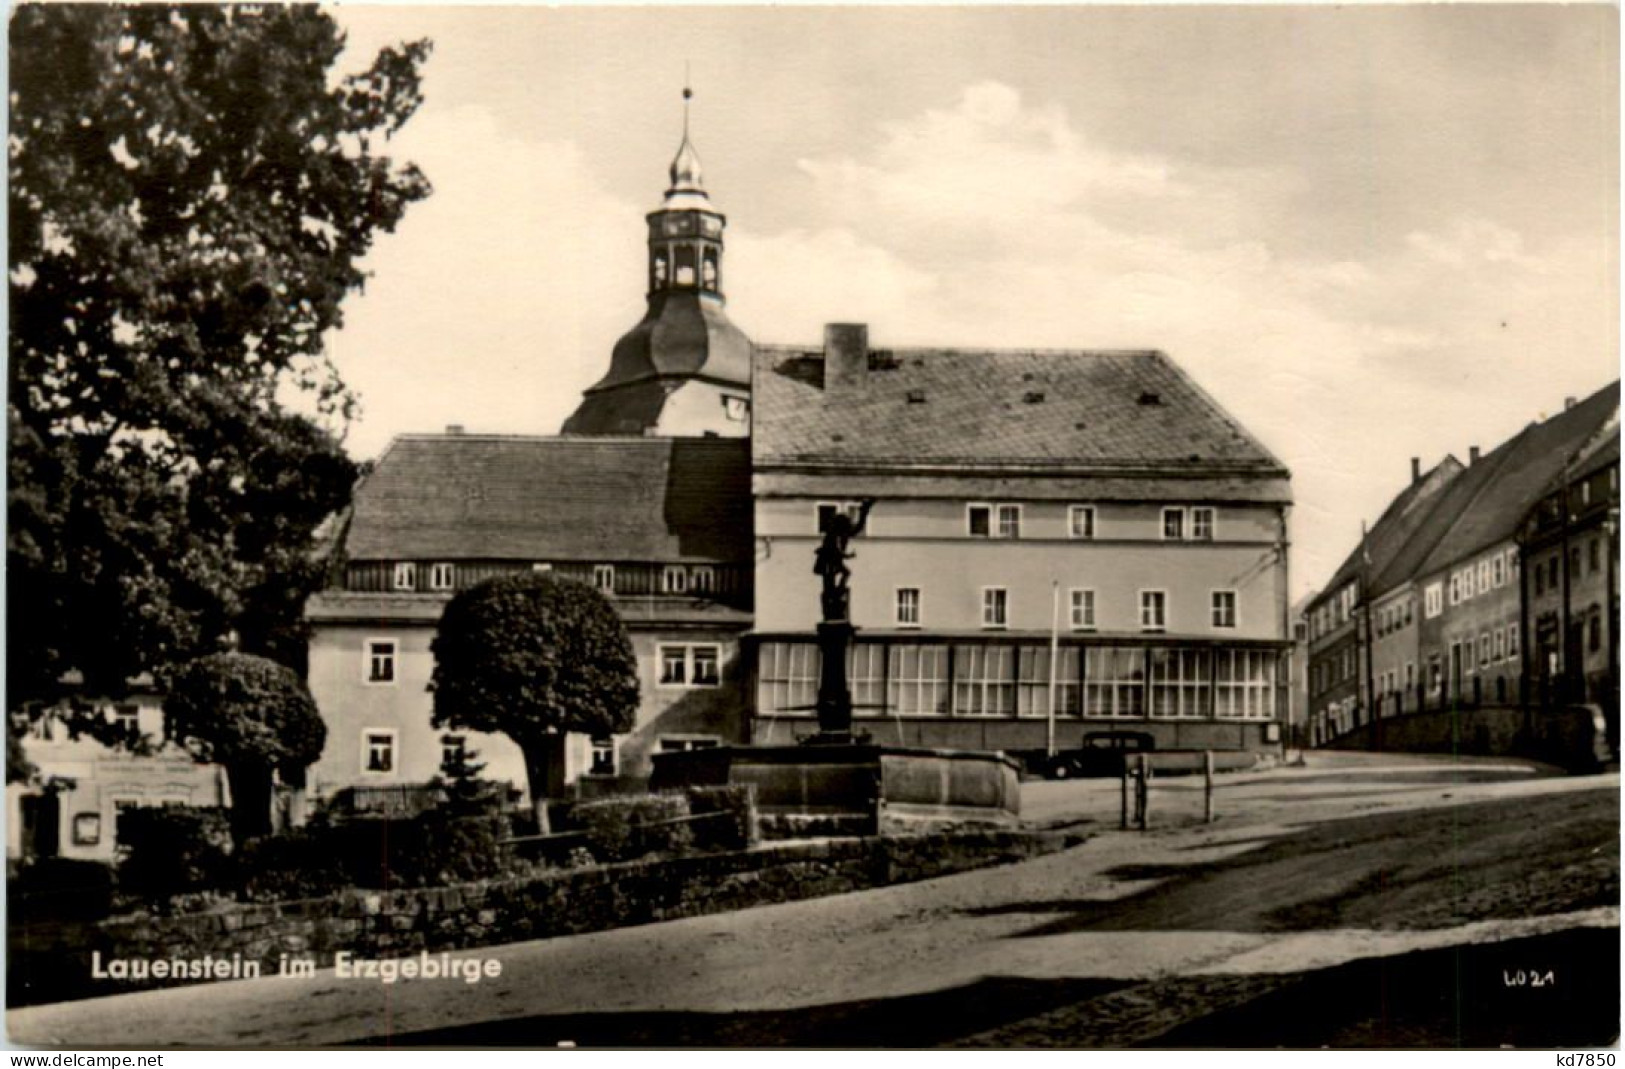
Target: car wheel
[[1060, 770]]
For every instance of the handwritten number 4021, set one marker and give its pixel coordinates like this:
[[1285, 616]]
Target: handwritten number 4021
[[1528, 978]]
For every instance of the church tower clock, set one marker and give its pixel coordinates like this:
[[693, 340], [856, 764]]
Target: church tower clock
[[684, 370]]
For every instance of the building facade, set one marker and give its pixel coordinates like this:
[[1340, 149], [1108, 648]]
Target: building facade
[[1447, 581], [660, 525], [71, 807], [1096, 502]]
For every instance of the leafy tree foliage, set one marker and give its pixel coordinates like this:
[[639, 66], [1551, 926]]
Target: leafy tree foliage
[[534, 657], [191, 191], [253, 717]]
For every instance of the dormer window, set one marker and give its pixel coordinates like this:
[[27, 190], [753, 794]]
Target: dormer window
[[702, 579], [603, 577], [406, 575], [440, 577], [674, 579], [735, 409]]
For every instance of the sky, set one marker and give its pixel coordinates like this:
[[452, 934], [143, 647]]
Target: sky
[[1371, 233]]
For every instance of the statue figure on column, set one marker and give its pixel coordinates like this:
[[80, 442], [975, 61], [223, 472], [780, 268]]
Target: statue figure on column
[[829, 562]]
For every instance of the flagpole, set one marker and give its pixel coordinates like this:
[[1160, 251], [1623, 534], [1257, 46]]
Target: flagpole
[[1054, 644]]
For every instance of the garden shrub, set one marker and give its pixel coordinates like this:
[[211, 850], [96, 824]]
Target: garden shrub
[[736, 808], [293, 864], [429, 850], [624, 828], [60, 888], [173, 850]]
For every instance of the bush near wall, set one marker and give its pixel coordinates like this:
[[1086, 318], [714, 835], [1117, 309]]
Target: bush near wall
[[542, 904], [174, 850]]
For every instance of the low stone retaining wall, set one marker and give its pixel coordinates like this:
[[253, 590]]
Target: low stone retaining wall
[[54, 964], [1573, 737]]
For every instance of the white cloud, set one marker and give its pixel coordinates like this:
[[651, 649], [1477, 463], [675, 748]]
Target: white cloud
[[997, 222]]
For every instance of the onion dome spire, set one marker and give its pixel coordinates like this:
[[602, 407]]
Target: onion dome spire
[[686, 176]]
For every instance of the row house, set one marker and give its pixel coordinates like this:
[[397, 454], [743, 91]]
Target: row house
[[1442, 585], [1096, 501], [1362, 628], [1569, 542]]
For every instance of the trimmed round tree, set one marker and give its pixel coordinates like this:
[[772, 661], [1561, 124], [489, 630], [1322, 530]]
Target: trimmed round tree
[[534, 657], [251, 716]]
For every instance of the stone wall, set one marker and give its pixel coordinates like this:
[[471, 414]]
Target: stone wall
[[53, 963], [1571, 738]]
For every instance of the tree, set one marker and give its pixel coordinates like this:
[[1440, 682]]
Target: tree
[[191, 191], [254, 718], [534, 657]]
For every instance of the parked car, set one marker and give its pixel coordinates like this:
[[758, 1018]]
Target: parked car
[[1101, 753]]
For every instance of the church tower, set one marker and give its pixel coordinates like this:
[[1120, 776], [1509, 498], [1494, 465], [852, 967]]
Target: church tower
[[684, 370]]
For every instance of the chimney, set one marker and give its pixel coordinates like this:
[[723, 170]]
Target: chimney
[[1570, 402], [846, 356], [1416, 470], [454, 428], [1472, 455]]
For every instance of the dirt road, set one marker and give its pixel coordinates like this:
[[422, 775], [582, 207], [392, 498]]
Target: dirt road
[[1125, 940]]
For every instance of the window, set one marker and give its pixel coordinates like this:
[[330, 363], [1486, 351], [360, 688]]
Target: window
[[787, 676], [918, 680], [1179, 683], [406, 576], [1153, 610], [1594, 628], [1483, 576], [1244, 684], [1551, 570], [984, 680], [1498, 571], [453, 751], [673, 666], [1595, 551], [1410, 675], [979, 520], [1512, 641], [866, 677], [1410, 610], [541, 567], [127, 719], [1173, 525], [1540, 581], [1032, 693], [995, 606], [1433, 600], [1009, 521], [1083, 610], [1080, 521], [734, 409], [440, 576], [1202, 524], [1114, 681], [674, 579], [702, 578], [603, 756], [380, 661], [1484, 650], [603, 577], [122, 806], [707, 665], [908, 606], [378, 751], [690, 666], [1224, 608], [1574, 562], [1500, 653]]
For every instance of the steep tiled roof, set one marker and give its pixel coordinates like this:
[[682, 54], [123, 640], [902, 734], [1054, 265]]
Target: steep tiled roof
[[1397, 529], [1083, 410], [485, 497], [1514, 478]]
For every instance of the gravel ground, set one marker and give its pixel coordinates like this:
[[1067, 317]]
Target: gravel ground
[[1288, 886]]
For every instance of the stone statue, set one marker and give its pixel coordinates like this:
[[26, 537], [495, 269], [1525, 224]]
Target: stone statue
[[830, 561]]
